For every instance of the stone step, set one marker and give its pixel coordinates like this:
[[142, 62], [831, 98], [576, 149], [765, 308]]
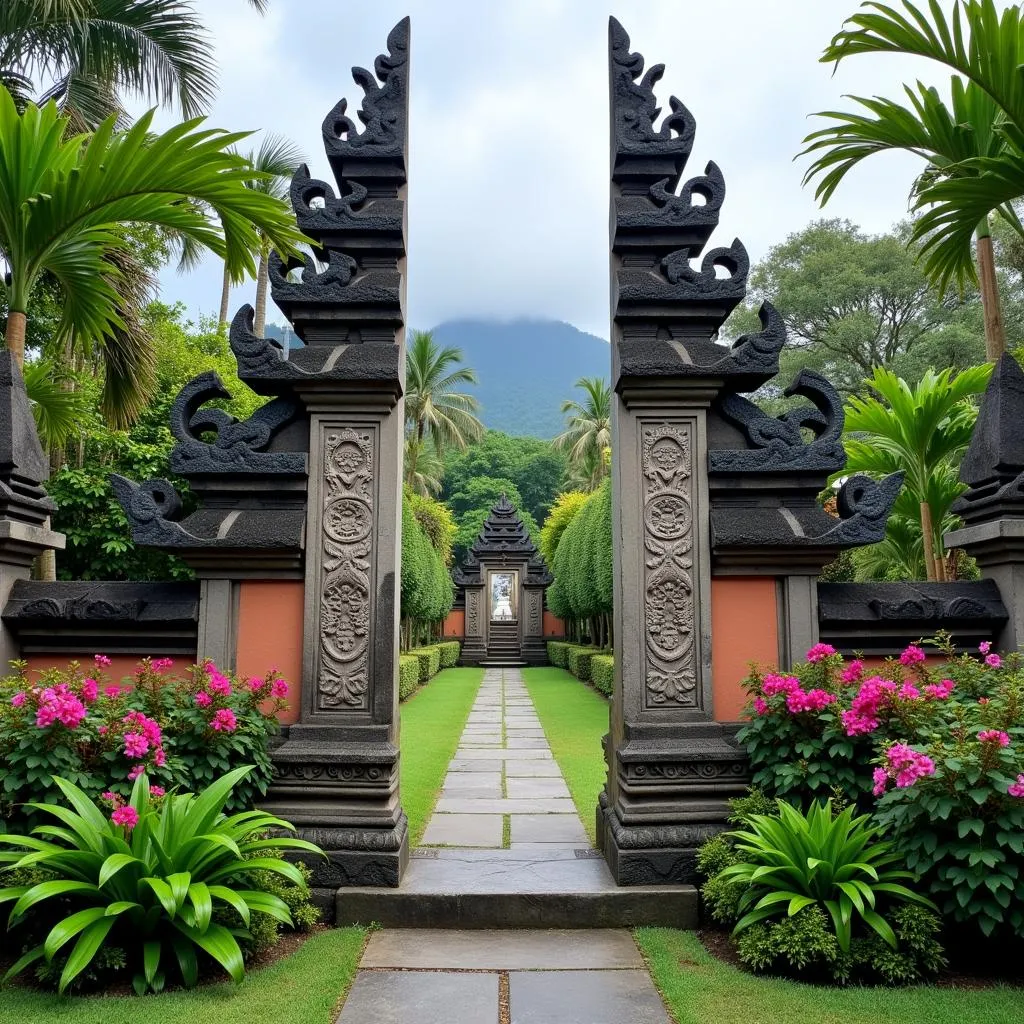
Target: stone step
[[532, 888]]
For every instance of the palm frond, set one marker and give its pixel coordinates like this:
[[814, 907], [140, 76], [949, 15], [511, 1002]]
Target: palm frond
[[59, 410]]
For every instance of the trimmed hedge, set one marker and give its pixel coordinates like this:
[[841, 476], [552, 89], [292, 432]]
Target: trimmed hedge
[[602, 673], [429, 661], [408, 675], [579, 661], [558, 653], [450, 650]]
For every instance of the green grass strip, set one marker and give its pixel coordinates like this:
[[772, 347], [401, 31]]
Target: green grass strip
[[574, 719], [700, 989], [304, 988], [432, 723]]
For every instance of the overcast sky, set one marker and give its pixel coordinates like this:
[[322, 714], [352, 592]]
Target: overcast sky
[[508, 194]]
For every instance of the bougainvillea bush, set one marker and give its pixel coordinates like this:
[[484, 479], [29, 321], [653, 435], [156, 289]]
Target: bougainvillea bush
[[931, 744], [182, 727]]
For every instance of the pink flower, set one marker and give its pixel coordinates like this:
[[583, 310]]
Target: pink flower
[[135, 745], [136, 771], [761, 705], [940, 691], [219, 684], [147, 726], [157, 791], [90, 690], [18, 699], [256, 684], [994, 736], [110, 797], [853, 672], [863, 717], [912, 656], [159, 758], [774, 684], [814, 700], [881, 779], [113, 691], [905, 766], [59, 704], [1017, 788], [127, 816], [101, 660], [908, 692], [820, 651], [203, 699], [224, 721], [102, 730], [983, 700], [163, 664], [993, 660], [279, 689], [985, 646]]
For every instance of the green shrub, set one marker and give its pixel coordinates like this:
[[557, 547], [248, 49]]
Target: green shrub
[[558, 653], [450, 651], [602, 673], [146, 879], [429, 659], [408, 675], [578, 660], [264, 929], [801, 944]]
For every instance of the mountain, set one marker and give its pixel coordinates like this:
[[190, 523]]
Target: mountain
[[526, 369]]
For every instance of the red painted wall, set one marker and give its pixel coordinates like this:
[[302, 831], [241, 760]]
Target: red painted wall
[[270, 624], [122, 666], [744, 628], [455, 624], [553, 626]]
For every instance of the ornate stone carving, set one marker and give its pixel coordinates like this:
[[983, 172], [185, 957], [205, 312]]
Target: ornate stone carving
[[364, 774], [473, 627], [345, 584], [534, 624], [671, 666], [695, 772]]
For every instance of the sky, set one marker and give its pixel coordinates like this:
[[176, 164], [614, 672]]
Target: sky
[[508, 192]]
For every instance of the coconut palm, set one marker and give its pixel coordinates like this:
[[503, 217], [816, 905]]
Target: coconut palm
[[275, 161], [434, 410], [922, 431], [63, 199], [984, 46], [588, 433], [92, 50], [424, 468], [945, 137]]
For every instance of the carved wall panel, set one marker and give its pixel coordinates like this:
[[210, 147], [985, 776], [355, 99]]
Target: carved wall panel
[[473, 624], [670, 656], [345, 583], [534, 624]]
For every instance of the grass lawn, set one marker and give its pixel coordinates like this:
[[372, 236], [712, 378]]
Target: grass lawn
[[432, 722], [574, 718], [700, 989], [304, 988]]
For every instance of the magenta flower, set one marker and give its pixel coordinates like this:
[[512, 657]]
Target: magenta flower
[[761, 705], [59, 704], [163, 664], [940, 691], [1017, 788], [256, 684], [279, 689], [113, 691], [157, 791], [881, 779], [110, 797], [906, 766], [135, 745], [159, 758], [985, 646], [912, 656], [994, 736], [909, 692], [18, 699], [102, 730], [774, 684], [853, 672], [820, 651], [203, 699], [101, 660], [219, 684], [136, 771], [993, 660], [224, 721], [90, 690], [127, 816]]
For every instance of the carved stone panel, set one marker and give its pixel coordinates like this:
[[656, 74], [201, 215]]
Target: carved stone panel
[[345, 583], [473, 624], [534, 623], [669, 620]]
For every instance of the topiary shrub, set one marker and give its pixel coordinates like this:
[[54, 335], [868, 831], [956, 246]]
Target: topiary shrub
[[450, 651], [558, 653], [408, 675], [429, 659], [602, 673], [579, 661]]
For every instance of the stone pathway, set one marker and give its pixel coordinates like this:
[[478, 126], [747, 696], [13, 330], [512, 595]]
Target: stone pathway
[[504, 789]]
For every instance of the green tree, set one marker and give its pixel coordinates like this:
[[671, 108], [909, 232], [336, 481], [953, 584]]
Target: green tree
[[562, 513], [424, 471], [983, 169], [433, 408], [90, 51], [588, 431], [472, 505], [64, 198], [427, 591], [924, 432]]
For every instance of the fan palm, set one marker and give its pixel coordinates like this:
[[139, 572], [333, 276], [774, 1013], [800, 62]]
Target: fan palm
[[91, 50], [945, 137], [275, 161], [986, 47], [588, 432], [434, 410], [922, 431], [63, 199]]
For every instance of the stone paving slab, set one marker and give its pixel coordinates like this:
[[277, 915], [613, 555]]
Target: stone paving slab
[[505, 872], [485, 791], [412, 997], [466, 764], [531, 807], [464, 830], [584, 997], [472, 779], [525, 950], [548, 828], [509, 755], [537, 768], [527, 743], [543, 789]]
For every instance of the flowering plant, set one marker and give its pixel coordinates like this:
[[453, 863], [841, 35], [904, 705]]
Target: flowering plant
[[931, 744], [181, 727]]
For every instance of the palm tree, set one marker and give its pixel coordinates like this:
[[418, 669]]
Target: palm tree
[[92, 50], [63, 200], [424, 469], [275, 161], [945, 138], [922, 431], [985, 46], [433, 409], [588, 432]]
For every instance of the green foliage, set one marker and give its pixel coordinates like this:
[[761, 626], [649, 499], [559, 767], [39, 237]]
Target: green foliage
[[602, 673], [472, 505], [429, 660], [437, 522], [147, 879], [583, 561], [183, 747], [801, 944], [588, 433], [534, 467], [450, 651], [578, 661], [427, 591], [558, 653], [265, 929], [562, 513], [408, 675]]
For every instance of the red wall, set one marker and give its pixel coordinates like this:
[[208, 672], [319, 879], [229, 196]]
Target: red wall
[[121, 665], [455, 624], [553, 626], [744, 628]]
